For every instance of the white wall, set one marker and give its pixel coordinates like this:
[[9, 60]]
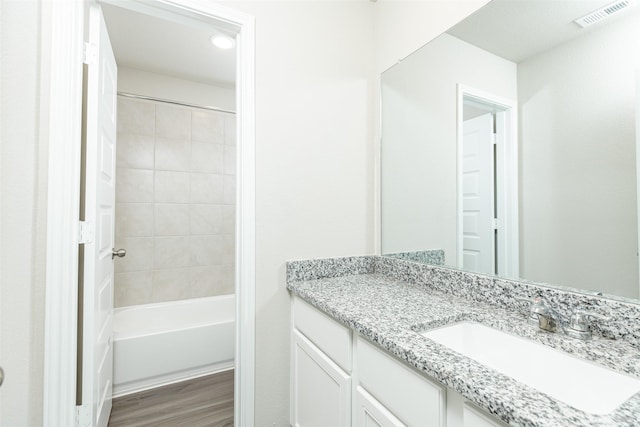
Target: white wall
[[313, 158], [419, 146], [156, 85], [578, 171], [22, 216]]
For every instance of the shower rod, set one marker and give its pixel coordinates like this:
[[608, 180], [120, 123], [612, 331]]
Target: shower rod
[[167, 101]]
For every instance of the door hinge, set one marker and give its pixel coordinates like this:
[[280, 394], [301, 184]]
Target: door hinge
[[90, 54], [83, 416], [494, 139], [495, 223], [86, 232]]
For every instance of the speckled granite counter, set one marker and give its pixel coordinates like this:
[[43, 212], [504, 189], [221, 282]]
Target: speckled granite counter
[[372, 296]]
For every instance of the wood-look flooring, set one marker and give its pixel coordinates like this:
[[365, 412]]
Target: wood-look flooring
[[201, 402]]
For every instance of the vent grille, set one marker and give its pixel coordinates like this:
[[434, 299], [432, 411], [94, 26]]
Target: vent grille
[[603, 13]]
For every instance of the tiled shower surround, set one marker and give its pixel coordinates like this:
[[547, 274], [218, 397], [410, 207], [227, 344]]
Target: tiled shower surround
[[175, 202]]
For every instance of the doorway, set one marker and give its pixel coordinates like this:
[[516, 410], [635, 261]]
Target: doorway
[[61, 327], [487, 223]]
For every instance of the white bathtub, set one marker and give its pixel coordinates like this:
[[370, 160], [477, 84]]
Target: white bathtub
[[159, 344]]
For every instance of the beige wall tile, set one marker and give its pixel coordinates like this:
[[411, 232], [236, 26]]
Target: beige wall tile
[[171, 219], [173, 154], [173, 122], [132, 288], [134, 219], [206, 188], [228, 279], [170, 252], [230, 129], [229, 197], [134, 151], [170, 285], [170, 214], [134, 185], [228, 219], [207, 126], [205, 281], [229, 160], [171, 187], [136, 116], [228, 248], [207, 157], [205, 219], [206, 250], [139, 254]]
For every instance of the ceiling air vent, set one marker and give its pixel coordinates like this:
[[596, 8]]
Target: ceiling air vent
[[603, 13]]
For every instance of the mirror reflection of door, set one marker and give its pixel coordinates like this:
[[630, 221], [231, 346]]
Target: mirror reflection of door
[[488, 189], [478, 202]]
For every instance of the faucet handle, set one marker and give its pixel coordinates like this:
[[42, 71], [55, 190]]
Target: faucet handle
[[579, 323], [533, 302], [580, 319]]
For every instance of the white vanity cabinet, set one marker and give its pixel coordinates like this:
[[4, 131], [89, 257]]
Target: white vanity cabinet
[[462, 413], [322, 390], [476, 417], [368, 412], [339, 380], [321, 369], [408, 395]]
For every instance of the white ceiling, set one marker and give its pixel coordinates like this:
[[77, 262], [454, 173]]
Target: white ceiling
[[166, 47], [508, 28], [518, 29]]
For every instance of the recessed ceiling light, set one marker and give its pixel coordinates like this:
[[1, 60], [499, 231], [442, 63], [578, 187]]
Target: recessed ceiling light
[[222, 41]]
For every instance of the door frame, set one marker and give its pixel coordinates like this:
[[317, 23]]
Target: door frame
[[506, 162], [61, 105], [637, 145]]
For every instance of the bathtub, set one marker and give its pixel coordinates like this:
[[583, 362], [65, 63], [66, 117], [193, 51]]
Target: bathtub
[[163, 343]]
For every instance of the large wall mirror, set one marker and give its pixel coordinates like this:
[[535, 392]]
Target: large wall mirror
[[509, 146]]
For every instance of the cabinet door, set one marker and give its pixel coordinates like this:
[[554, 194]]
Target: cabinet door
[[410, 396], [321, 391], [332, 338], [474, 417], [371, 413]]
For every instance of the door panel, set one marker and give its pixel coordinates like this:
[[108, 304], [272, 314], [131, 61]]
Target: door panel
[[478, 241], [97, 311]]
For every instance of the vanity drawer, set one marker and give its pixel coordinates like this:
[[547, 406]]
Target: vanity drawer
[[412, 398], [327, 334]]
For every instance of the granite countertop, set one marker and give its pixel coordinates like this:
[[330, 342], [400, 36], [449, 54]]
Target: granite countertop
[[391, 313]]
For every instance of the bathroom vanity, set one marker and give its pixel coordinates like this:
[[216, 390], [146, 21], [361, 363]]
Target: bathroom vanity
[[489, 180], [358, 356], [339, 378]]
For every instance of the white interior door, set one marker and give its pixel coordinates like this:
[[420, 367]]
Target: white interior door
[[97, 301], [478, 242]]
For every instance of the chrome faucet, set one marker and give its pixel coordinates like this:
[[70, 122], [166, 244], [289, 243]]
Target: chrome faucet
[[548, 319], [544, 316]]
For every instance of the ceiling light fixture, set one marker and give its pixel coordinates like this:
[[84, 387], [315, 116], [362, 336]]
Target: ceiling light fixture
[[222, 41]]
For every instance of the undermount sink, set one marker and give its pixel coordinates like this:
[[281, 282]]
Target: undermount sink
[[576, 382]]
